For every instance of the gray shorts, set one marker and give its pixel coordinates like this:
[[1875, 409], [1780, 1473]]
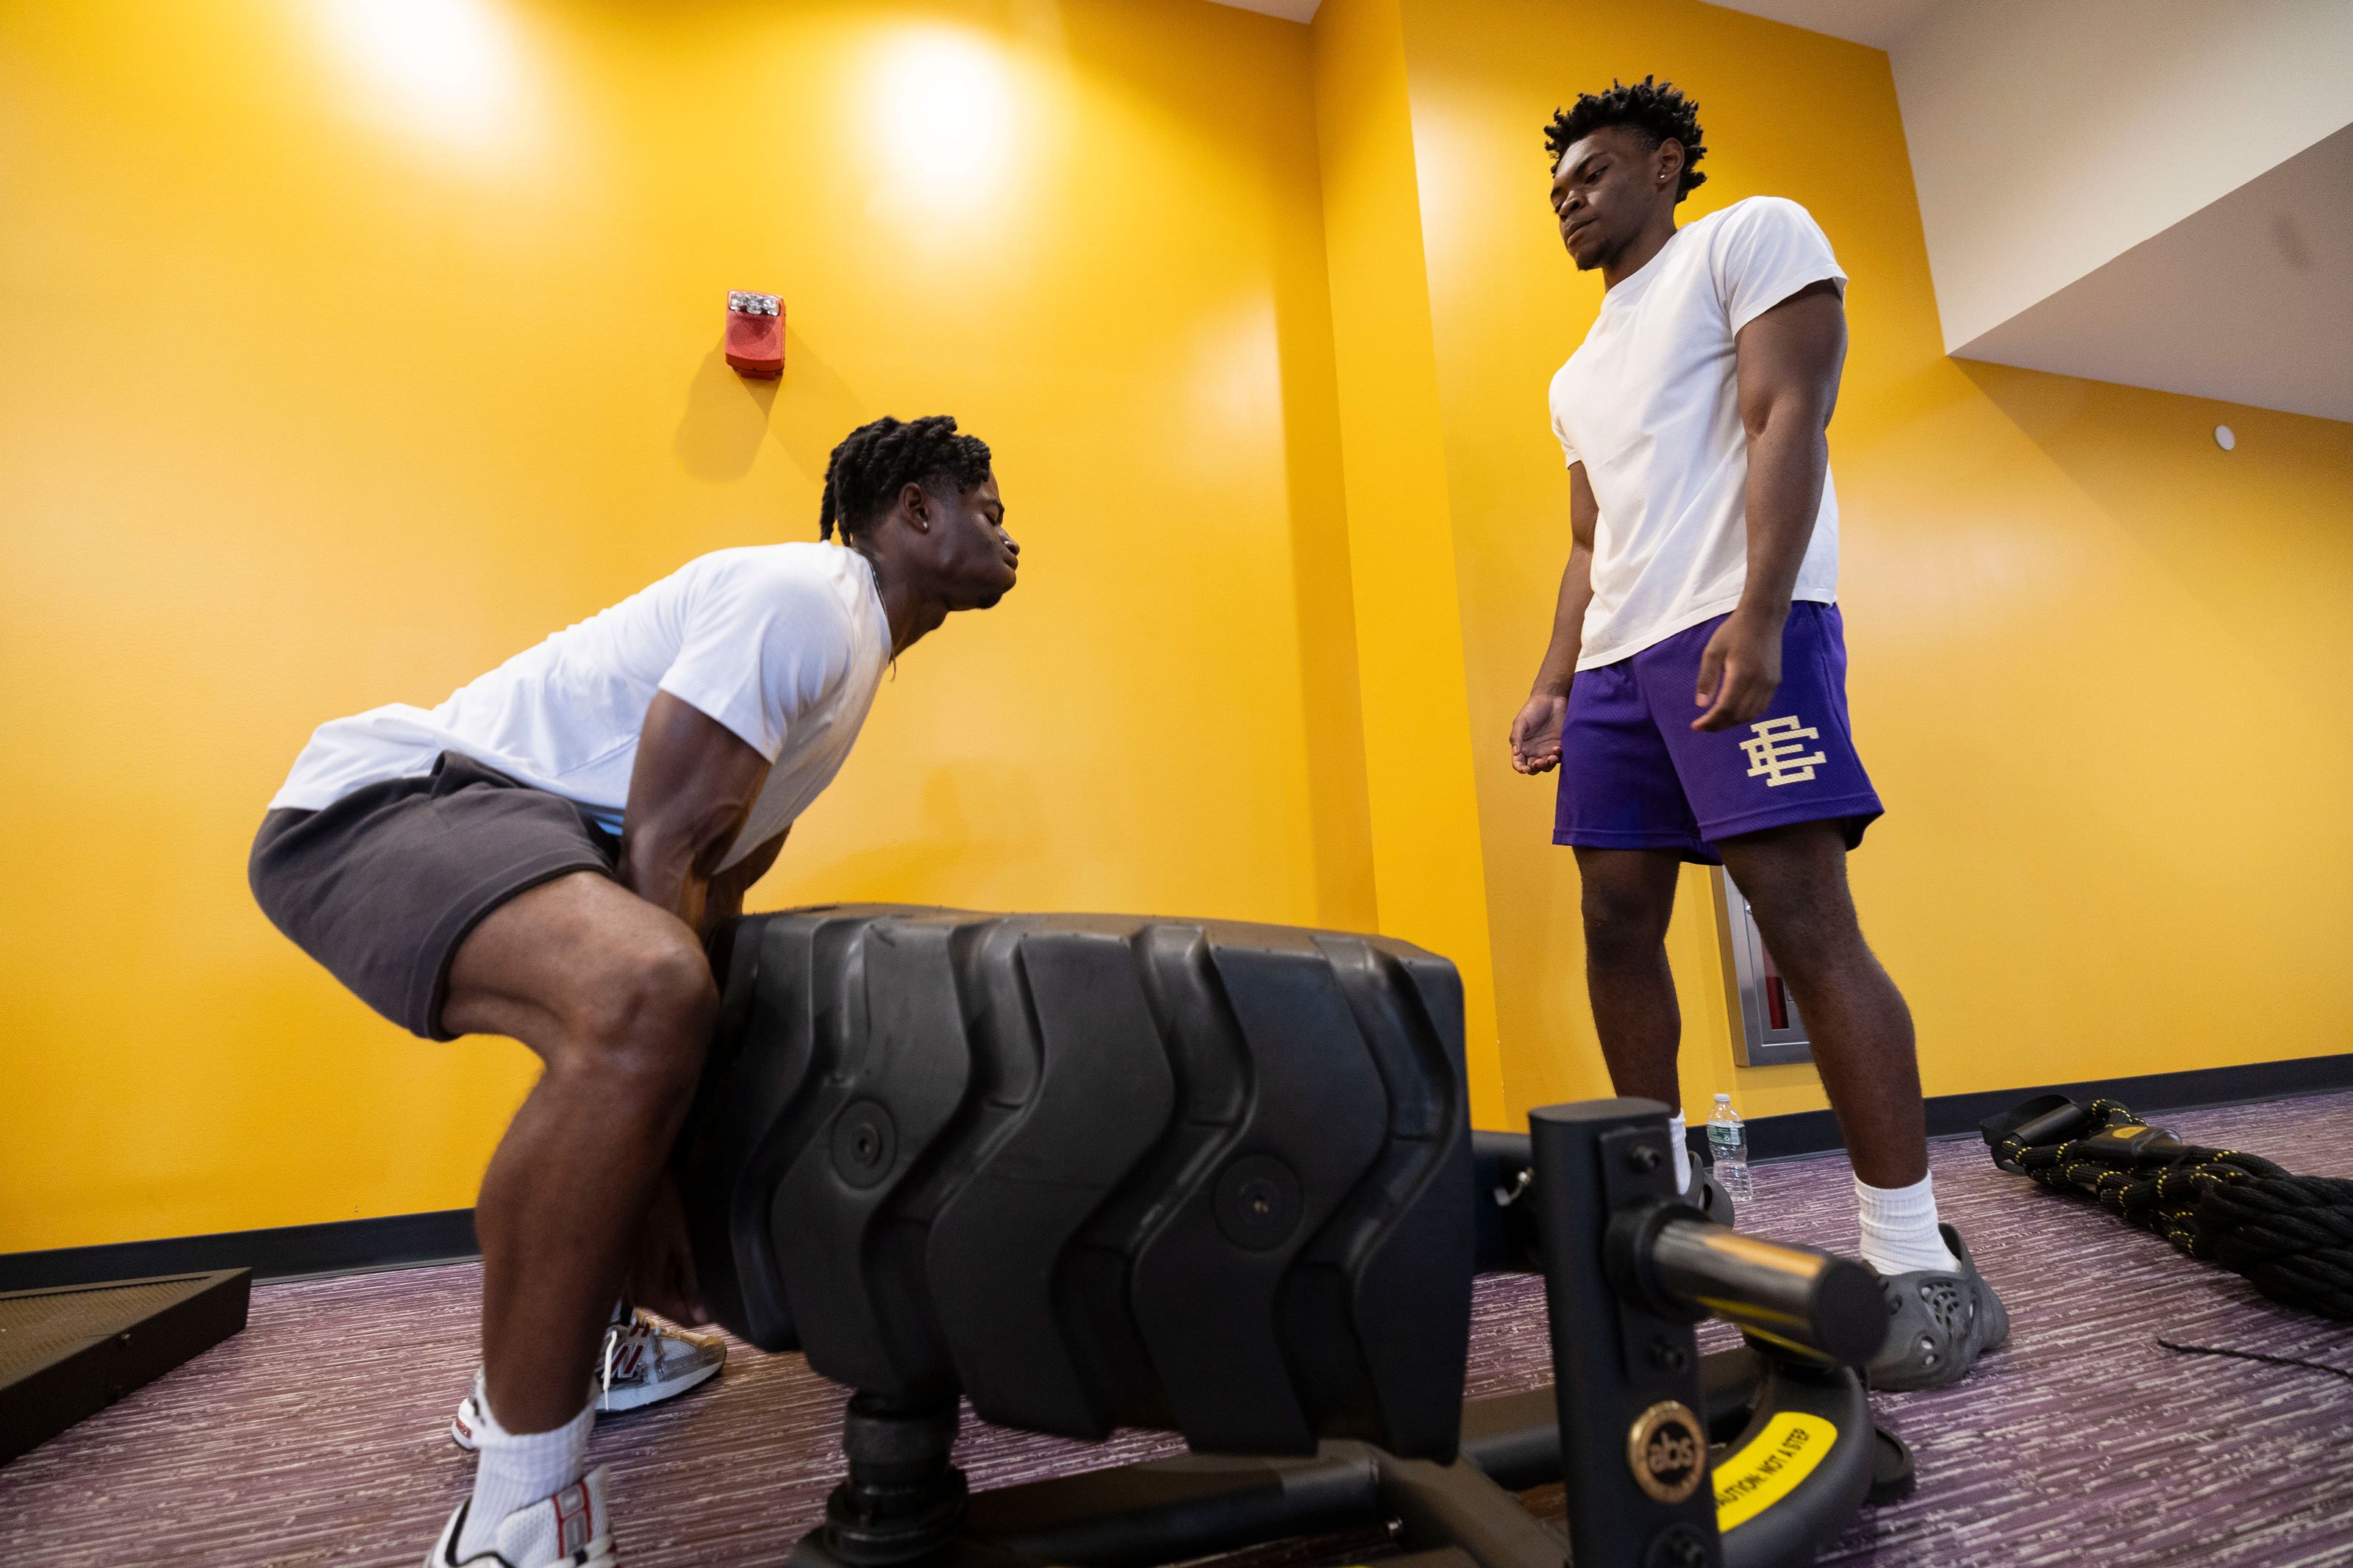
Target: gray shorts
[[381, 886]]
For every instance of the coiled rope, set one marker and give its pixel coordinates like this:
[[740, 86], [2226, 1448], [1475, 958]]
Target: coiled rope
[[2291, 1236]]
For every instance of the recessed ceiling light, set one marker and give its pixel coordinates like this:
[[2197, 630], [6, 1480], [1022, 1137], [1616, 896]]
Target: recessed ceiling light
[[2225, 437]]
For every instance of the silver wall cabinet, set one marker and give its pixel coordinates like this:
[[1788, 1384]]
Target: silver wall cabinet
[[1766, 1030]]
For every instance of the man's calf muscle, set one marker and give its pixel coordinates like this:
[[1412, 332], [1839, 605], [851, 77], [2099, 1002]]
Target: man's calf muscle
[[616, 996]]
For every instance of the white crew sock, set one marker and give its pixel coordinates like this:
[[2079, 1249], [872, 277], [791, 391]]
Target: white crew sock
[[1899, 1228], [516, 1470], [1683, 1151]]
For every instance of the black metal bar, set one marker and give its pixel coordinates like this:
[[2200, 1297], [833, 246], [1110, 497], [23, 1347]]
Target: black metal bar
[[1514, 1437], [1796, 1295], [1457, 1505], [1173, 1509], [1169, 1510], [1633, 1438]]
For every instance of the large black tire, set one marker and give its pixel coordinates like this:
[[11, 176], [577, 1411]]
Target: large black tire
[[1094, 1171]]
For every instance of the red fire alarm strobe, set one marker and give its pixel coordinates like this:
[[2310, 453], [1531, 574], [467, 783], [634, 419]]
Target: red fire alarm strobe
[[755, 333]]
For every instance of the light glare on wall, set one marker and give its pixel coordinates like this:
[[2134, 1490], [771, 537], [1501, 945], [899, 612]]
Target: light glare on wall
[[444, 67], [946, 118]]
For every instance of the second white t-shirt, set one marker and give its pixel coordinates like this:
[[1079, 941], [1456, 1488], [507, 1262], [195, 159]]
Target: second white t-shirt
[[783, 644], [1649, 404]]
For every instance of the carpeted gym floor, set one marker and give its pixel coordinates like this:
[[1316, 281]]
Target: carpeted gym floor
[[317, 1436]]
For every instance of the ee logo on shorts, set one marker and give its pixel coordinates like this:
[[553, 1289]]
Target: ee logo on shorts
[[1773, 753]]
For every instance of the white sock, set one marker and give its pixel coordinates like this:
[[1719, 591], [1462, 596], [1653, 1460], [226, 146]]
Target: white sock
[[1683, 1151], [517, 1469], [1899, 1228]]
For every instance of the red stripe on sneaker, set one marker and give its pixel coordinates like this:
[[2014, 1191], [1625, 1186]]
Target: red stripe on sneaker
[[572, 1530]]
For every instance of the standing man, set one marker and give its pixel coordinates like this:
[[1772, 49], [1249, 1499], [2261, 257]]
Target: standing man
[[1694, 695], [547, 855]]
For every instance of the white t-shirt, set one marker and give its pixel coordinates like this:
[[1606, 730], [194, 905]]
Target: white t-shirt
[[1647, 403], [784, 644]]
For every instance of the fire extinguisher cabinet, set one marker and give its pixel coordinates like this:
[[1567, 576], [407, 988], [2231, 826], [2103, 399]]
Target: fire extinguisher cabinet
[[1765, 1028]]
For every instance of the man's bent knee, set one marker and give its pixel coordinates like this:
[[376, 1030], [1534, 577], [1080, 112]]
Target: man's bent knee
[[643, 1024]]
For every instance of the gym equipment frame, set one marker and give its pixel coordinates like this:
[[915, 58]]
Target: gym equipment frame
[[1094, 1171]]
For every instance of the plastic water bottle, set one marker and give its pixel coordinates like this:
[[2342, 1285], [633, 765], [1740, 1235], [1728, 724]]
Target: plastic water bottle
[[1728, 1143]]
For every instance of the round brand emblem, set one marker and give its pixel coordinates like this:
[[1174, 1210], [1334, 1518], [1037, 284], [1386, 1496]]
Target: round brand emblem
[[1667, 1451]]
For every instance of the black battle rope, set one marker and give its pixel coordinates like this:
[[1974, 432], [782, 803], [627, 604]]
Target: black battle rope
[[2291, 1236]]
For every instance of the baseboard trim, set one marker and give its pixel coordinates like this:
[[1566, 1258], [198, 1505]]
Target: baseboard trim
[[447, 1236], [287, 1252], [1958, 1115]]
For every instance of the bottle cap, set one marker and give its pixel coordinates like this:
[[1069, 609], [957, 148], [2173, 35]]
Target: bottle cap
[[1724, 1100]]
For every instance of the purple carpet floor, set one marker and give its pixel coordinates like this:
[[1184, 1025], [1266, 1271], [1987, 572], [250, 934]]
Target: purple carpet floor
[[317, 1436]]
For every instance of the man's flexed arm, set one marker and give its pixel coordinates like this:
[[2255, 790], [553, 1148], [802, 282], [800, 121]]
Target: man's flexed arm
[[1788, 363], [1536, 731], [693, 787]]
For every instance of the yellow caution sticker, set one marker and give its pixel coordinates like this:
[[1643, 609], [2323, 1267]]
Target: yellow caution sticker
[[1770, 1466]]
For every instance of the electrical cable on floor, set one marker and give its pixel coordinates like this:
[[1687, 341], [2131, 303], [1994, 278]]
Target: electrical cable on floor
[[2256, 1355]]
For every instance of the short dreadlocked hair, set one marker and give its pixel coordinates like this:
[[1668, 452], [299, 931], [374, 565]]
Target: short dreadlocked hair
[[875, 461], [1652, 108]]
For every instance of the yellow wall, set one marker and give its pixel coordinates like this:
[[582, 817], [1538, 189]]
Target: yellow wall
[[2090, 650], [350, 349], [1424, 814]]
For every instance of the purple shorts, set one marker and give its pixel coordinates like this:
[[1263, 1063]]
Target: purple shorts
[[1634, 774]]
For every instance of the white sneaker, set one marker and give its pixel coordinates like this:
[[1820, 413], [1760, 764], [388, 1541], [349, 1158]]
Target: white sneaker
[[571, 1528], [644, 1361]]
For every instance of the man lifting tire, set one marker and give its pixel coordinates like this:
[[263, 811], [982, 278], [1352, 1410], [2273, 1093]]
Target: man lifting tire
[[1704, 574], [548, 854]]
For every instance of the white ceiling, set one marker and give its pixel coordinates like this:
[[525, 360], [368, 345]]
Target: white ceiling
[[2249, 300], [1291, 10], [1881, 24]]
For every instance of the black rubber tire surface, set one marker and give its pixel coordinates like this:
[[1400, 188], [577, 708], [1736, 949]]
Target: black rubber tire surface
[[1094, 1171]]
